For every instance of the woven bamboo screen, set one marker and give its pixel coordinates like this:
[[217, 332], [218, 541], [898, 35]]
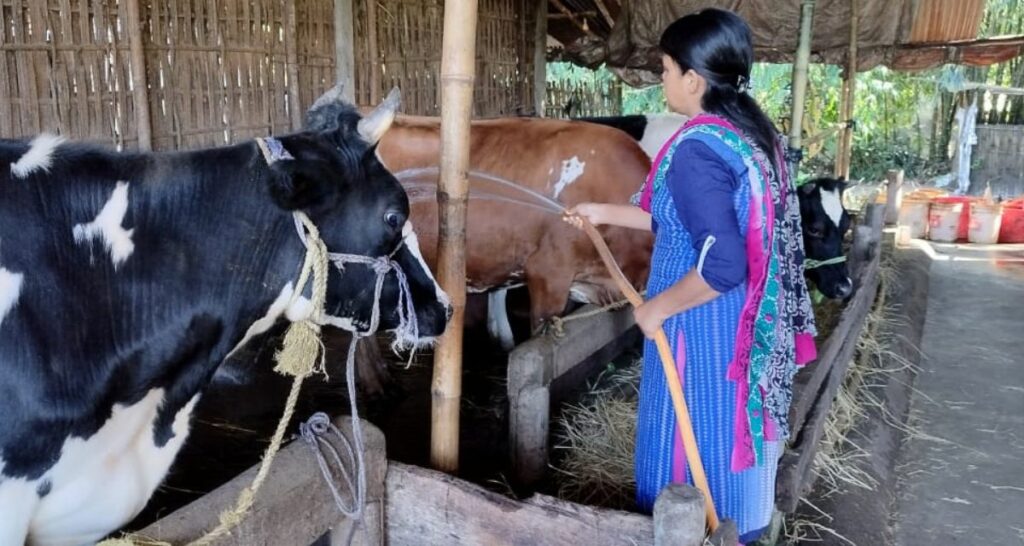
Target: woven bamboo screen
[[583, 99], [216, 71], [404, 36], [221, 71]]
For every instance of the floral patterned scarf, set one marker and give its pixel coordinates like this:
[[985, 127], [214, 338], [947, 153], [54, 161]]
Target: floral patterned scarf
[[776, 330]]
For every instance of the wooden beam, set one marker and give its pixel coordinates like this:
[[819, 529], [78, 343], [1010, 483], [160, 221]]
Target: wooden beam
[[294, 506], [140, 91], [344, 49], [372, 51], [292, 52], [572, 17], [604, 11], [427, 507], [795, 476], [458, 65], [581, 14], [540, 61]]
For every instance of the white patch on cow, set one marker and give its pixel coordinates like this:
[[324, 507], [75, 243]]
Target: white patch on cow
[[108, 226], [660, 128], [498, 325], [101, 482], [10, 290], [18, 499], [572, 169], [833, 205], [262, 324], [39, 156], [413, 244]]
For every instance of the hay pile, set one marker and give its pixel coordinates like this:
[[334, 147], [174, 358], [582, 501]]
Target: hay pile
[[594, 441], [837, 462]]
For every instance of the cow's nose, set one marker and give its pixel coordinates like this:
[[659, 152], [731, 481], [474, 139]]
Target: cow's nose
[[844, 288]]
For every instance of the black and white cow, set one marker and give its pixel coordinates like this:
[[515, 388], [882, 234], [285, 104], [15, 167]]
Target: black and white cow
[[825, 220], [126, 279], [825, 224]]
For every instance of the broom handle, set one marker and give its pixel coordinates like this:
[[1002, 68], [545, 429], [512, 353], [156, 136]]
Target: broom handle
[[675, 388]]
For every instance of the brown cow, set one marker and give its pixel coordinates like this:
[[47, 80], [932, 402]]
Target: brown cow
[[508, 243]]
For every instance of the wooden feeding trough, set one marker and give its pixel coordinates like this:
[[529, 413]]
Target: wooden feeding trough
[[409, 505]]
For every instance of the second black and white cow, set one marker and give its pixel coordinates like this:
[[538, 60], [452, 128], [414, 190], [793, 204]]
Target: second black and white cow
[[126, 279], [825, 224]]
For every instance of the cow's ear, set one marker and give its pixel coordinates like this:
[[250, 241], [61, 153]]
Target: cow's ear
[[807, 188], [841, 184], [302, 184]]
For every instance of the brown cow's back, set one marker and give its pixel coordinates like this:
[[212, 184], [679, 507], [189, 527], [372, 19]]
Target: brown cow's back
[[508, 242]]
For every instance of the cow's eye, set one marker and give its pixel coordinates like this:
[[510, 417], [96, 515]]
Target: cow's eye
[[393, 219], [816, 232]]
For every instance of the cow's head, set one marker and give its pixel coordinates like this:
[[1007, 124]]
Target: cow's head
[[825, 223], [361, 210]]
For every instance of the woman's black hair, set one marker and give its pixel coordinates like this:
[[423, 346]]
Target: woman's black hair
[[717, 45]]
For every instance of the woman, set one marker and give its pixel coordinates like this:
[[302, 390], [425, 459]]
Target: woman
[[726, 279]]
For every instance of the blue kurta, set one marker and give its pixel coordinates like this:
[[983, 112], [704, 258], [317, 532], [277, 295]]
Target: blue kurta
[[699, 218]]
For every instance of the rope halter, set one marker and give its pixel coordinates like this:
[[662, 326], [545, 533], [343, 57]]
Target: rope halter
[[810, 264], [381, 266]]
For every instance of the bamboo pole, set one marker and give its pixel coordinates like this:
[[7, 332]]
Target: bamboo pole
[[845, 152], [292, 52], [344, 49], [372, 51], [458, 63], [140, 93], [803, 60], [540, 65]]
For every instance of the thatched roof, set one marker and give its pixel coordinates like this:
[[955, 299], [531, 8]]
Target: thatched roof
[[903, 34]]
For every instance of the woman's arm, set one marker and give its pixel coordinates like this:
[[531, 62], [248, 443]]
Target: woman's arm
[[627, 216], [702, 188], [691, 291]]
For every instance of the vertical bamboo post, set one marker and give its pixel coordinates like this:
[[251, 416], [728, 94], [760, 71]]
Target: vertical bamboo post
[[290, 34], [845, 152], [458, 58], [372, 51], [540, 60], [344, 49], [140, 93], [800, 65]]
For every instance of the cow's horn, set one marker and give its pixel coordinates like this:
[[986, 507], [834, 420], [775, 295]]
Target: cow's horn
[[376, 123], [332, 95]]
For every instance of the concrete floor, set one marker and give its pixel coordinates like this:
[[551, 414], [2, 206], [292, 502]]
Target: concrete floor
[[962, 474]]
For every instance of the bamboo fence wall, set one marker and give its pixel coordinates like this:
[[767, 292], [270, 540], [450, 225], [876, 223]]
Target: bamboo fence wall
[[583, 99], [221, 71]]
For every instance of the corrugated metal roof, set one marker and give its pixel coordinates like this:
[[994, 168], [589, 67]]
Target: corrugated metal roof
[[943, 21]]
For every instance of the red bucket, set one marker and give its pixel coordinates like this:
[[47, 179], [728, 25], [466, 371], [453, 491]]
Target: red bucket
[[1012, 229], [965, 213]]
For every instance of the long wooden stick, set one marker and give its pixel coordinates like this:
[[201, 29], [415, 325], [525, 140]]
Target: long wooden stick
[[675, 387]]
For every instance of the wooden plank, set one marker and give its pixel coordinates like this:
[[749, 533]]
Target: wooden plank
[[679, 516], [294, 105], [795, 475], [344, 49], [428, 507], [534, 366], [140, 93], [294, 506], [540, 66]]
